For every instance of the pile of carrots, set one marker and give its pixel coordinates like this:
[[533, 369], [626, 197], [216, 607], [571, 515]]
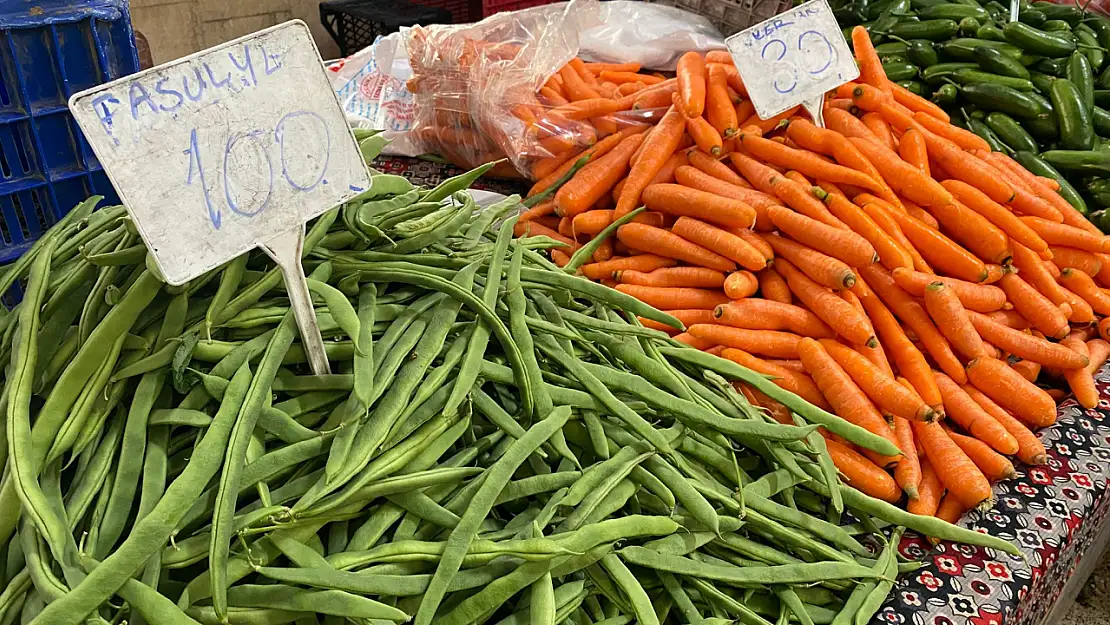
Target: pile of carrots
[[889, 268]]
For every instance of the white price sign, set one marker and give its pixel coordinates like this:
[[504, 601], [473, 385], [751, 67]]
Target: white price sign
[[225, 150], [793, 58]]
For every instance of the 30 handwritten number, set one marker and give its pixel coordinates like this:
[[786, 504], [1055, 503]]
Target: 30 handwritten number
[[248, 187], [786, 72]]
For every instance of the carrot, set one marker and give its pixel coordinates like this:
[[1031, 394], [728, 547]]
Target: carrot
[[907, 473], [825, 270], [536, 229], [939, 250], [961, 408], [621, 77], [1043, 275], [994, 465], [797, 383], [598, 68], [665, 243], [695, 342], [1026, 346], [695, 178], [656, 96], [1082, 260], [929, 490], [879, 127], [771, 123], [1103, 328], [792, 365], [688, 317], [740, 284], [974, 231], [965, 139], [955, 470], [1068, 236], [921, 214], [841, 244], [978, 297], [719, 109], [694, 277], [1025, 197], [757, 241], [1082, 285], [773, 287], [951, 319], [891, 253], [766, 342], [1038, 309], [585, 109], [882, 216], [716, 169], [910, 361], [718, 56], [1081, 381], [598, 150], [912, 150], [904, 178], [950, 510], [917, 319], [596, 178], [704, 134], [805, 162], [763, 314], [862, 474], [793, 194], [1030, 449], [999, 215], [916, 103], [658, 148], [841, 316], [1045, 190], [744, 110], [837, 145], [547, 207], [574, 87], [691, 83], [627, 89], [732, 75], [681, 201], [643, 262], [674, 297], [1011, 391], [886, 392], [721, 241], [870, 67]]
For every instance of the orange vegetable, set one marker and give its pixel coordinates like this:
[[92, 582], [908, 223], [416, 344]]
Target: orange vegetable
[[978, 297], [681, 201], [951, 319], [841, 316], [674, 297], [870, 67], [793, 194], [797, 383], [961, 408], [773, 287], [1081, 381], [1039, 310], [664, 243], [766, 342], [1011, 391], [841, 244], [644, 262], [596, 178], [721, 241], [764, 314], [598, 150], [719, 108], [1082, 260], [658, 148], [1026, 346], [691, 83], [929, 491], [1030, 449], [740, 284], [994, 465], [916, 103], [956, 471], [1064, 235], [862, 474], [965, 139], [806, 162], [912, 150], [1082, 285], [825, 270], [886, 392], [694, 277], [880, 129], [939, 250]]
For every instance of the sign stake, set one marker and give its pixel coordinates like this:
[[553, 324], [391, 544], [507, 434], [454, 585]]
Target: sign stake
[[286, 250]]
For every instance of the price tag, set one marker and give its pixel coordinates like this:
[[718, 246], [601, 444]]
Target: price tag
[[225, 150], [793, 58]]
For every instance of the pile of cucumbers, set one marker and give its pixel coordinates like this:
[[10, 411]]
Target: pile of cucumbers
[[1037, 88]]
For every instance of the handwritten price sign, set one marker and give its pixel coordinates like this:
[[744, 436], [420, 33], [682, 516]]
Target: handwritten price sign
[[793, 58], [221, 151]]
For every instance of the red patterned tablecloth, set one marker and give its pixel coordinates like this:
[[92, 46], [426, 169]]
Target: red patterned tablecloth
[[1054, 512]]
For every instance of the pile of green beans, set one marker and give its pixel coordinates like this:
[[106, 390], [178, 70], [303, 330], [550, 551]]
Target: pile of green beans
[[500, 442]]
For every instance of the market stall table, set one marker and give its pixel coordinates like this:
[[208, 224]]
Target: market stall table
[[1056, 512]]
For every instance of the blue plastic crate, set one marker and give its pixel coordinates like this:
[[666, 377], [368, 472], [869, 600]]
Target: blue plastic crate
[[50, 49]]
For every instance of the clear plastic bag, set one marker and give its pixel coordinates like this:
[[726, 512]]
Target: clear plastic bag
[[474, 86], [653, 35]]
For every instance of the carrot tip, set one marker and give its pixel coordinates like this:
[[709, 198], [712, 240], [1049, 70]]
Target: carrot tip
[[911, 491], [872, 342]]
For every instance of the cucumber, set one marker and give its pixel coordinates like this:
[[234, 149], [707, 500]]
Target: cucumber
[[1076, 128], [1087, 162], [980, 128], [915, 87], [1079, 72], [1099, 191], [1056, 26], [1091, 47], [1052, 67], [1102, 98], [1101, 119], [953, 12], [963, 48], [921, 53], [1070, 14], [990, 32], [891, 47], [1011, 132], [1101, 218], [1033, 17], [997, 97], [1036, 41], [933, 30], [968, 76], [1045, 129], [1040, 167], [993, 61], [938, 73], [900, 70], [969, 26], [946, 94], [1041, 81]]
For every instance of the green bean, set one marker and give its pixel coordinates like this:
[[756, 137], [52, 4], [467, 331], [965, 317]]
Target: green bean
[[456, 183], [230, 277], [363, 386], [542, 609], [711, 592], [805, 573], [425, 508]]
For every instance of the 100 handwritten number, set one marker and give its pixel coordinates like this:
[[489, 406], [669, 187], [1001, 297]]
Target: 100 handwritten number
[[813, 54], [248, 169]]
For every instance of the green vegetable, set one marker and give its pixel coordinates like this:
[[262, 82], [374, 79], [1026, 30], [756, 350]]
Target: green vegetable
[[1079, 72], [1041, 81], [980, 128], [933, 30], [1052, 67], [1091, 46], [990, 32], [1033, 17], [916, 87], [1099, 191], [969, 27], [1011, 132], [1076, 127], [1068, 13], [942, 72], [946, 94], [997, 97], [1101, 120], [1087, 162], [1055, 26], [899, 70], [975, 76], [963, 49], [993, 61], [953, 12], [1036, 41]]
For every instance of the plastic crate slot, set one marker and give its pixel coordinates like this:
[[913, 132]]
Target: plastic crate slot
[[19, 203], [69, 193], [77, 57], [35, 68], [59, 146], [9, 216], [40, 212]]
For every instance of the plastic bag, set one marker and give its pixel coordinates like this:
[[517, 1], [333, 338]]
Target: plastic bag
[[474, 86], [652, 35]]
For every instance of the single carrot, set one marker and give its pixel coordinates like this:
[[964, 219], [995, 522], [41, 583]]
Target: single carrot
[[994, 465], [741, 284], [643, 262], [939, 250], [1038, 309], [841, 244], [910, 361], [773, 287], [1026, 346], [547, 207], [907, 473], [621, 77], [798, 383], [674, 297], [536, 229], [721, 241], [1082, 260], [757, 241], [1042, 188], [1064, 235], [1028, 369], [951, 319], [574, 87], [771, 123], [716, 169], [704, 134], [766, 342], [793, 194], [718, 56], [885, 392], [1025, 197], [880, 128], [629, 88], [955, 470], [881, 215], [805, 162], [694, 277], [929, 490], [825, 270], [837, 145], [1084, 286], [904, 178], [870, 67], [1081, 381], [921, 214], [965, 139], [950, 510], [1043, 276], [891, 253], [862, 474], [912, 150], [1030, 449], [656, 96], [695, 342], [1104, 328], [744, 110], [598, 150], [691, 83], [596, 178], [664, 243], [841, 316], [973, 231], [680, 201], [1011, 391], [719, 107], [917, 319], [999, 215], [695, 178], [658, 148], [978, 297], [961, 408], [688, 317], [763, 314], [585, 109], [916, 103], [598, 68]]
